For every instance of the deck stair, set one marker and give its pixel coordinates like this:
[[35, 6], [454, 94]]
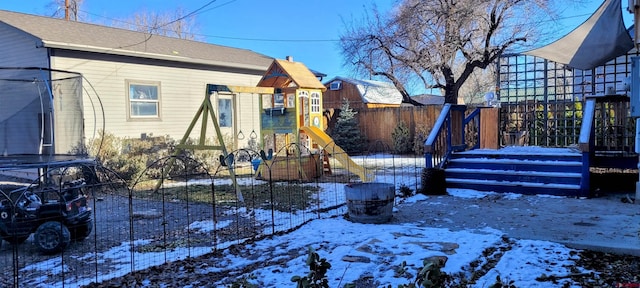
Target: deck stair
[[553, 171]]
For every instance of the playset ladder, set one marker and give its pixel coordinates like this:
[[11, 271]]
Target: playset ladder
[[326, 166]]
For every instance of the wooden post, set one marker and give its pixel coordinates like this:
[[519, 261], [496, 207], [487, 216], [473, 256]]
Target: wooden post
[[457, 127], [489, 138], [66, 10]]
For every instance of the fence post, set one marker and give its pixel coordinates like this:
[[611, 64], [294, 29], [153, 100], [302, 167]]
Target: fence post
[[489, 128], [456, 127]]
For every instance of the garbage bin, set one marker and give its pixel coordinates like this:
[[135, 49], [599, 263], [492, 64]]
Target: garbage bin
[[370, 202]]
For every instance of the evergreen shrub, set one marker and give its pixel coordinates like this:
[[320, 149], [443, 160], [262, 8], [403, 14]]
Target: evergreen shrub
[[402, 142], [346, 132]]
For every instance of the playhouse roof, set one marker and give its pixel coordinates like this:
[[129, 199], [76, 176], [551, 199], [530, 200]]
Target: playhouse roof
[[283, 73], [62, 34], [372, 91]]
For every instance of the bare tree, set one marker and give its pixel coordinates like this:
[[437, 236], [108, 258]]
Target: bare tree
[[479, 83], [176, 24], [439, 42], [66, 8]]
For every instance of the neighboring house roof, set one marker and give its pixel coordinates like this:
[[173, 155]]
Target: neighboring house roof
[[63, 34], [427, 99], [283, 73], [374, 91], [319, 75]]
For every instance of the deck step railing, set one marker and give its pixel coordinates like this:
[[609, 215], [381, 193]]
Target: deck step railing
[[438, 145], [452, 132], [586, 143], [455, 132]]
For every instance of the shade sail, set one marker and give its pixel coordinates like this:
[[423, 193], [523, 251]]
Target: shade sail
[[601, 38]]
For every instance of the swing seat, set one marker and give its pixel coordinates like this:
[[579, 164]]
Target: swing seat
[[255, 163]]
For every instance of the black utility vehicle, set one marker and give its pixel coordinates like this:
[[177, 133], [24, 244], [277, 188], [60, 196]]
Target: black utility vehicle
[[55, 215]]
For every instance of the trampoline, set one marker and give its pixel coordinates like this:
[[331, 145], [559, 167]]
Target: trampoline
[[42, 118]]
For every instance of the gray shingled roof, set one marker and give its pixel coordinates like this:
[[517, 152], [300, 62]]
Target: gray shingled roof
[[428, 99], [60, 33]]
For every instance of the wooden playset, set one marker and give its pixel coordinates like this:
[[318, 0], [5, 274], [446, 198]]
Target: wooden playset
[[290, 101]]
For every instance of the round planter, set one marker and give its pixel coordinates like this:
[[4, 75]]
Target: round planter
[[433, 182], [370, 202]]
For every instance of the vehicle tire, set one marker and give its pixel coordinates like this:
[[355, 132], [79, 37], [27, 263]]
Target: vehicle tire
[[81, 232], [52, 237]]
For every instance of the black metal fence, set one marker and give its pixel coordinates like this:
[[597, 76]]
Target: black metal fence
[[179, 209]]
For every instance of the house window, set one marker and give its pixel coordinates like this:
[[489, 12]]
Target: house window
[[225, 116], [304, 97], [303, 94], [315, 102], [144, 100], [278, 99], [291, 100]]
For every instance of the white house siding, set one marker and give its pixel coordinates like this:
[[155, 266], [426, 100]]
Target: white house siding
[[182, 90], [19, 50]]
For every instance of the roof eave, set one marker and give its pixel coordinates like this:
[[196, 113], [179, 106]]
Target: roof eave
[[123, 52]]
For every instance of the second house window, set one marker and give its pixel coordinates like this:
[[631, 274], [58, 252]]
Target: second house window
[[144, 100], [225, 115]]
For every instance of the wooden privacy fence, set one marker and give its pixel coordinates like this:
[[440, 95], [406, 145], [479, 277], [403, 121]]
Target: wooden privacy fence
[[378, 124], [554, 124]]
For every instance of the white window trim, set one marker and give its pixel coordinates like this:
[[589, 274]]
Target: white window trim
[[335, 85], [158, 102], [315, 102], [232, 98]]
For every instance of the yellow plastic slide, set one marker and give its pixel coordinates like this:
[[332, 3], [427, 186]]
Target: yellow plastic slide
[[325, 141]]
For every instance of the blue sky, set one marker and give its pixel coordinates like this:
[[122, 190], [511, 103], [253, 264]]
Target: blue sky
[[307, 30]]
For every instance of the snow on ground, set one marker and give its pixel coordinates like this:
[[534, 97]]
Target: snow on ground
[[380, 247], [385, 247]]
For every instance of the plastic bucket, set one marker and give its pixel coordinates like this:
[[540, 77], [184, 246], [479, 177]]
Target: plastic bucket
[[370, 202]]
